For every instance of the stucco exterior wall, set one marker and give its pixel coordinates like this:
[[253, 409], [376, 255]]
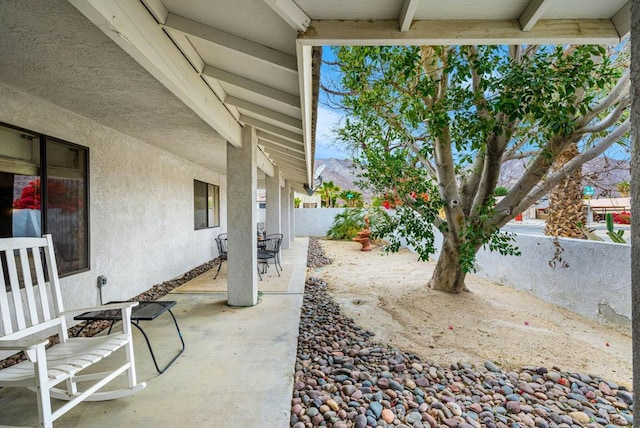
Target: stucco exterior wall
[[140, 203], [595, 283], [315, 222]]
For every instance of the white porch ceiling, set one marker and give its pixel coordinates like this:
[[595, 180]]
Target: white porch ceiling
[[232, 63], [249, 62]]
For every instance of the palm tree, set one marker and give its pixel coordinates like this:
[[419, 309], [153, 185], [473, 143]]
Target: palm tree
[[623, 188], [567, 217], [329, 192], [351, 198]]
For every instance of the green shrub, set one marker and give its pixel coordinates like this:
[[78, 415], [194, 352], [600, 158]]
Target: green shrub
[[347, 224], [501, 191]]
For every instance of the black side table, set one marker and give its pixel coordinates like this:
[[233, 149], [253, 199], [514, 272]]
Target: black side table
[[144, 311]]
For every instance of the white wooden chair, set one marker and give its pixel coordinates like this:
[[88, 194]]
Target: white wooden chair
[[30, 311]]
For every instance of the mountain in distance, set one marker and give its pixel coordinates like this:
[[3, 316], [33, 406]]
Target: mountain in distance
[[601, 173], [343, 173]]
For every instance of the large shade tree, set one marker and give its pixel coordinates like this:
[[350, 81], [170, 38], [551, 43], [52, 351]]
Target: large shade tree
[[433, 125]]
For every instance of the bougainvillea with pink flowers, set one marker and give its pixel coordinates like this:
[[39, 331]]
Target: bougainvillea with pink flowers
[[622, 218], [30, 197]]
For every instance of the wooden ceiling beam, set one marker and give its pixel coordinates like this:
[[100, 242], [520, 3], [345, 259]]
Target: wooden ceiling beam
[[264, 112], [291, 13], [622, 20], [532, 13], [252, 86], [271, 147], [288, 144], [230, 41], [407, 13], [458, 32], [284, 133]]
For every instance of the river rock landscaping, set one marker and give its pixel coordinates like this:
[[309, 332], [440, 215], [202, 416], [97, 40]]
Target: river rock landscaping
[[344, 378]]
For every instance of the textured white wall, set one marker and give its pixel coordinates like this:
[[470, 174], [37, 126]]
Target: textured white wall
[[141, 203], [596, 283], [315, 222]]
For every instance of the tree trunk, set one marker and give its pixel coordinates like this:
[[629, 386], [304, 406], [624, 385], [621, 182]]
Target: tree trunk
[[448, 275], [566, 209]]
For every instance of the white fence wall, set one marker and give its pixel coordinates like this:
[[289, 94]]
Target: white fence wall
[[595, 281], [315, 221]]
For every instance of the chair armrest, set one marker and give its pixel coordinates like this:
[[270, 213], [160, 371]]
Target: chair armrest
[[121, 305], [22, 344]]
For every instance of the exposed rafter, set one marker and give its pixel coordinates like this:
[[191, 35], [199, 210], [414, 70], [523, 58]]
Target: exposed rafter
[[407, 13], [532, 13], [458, 32], [264, 112], [266, 136], [622, 20], [286, 165], [250, 85], [218, 37], [281, 149], [264, 164], [275, 149], [284, 133], [134, 29], [291, 13], [157, 9]]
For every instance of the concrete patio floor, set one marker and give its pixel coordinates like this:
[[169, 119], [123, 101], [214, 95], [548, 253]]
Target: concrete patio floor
[[236, 370]]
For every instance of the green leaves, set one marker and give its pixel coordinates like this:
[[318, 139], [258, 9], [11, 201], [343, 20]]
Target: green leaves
[[475, 101]]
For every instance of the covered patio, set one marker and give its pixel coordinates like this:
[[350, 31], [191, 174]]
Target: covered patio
[[236, 370], [167, 93]]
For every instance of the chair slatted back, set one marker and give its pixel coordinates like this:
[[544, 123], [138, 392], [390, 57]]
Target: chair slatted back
[[30, 301]]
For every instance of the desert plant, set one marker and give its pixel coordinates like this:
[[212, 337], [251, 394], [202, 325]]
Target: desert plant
[[347, 224], [623, 188], [616, 236], [297, 202]]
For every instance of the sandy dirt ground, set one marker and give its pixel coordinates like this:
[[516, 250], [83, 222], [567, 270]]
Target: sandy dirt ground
[[387, 294]]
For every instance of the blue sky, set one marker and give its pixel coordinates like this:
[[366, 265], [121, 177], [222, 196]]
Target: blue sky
[[326, 147], [328, 118]]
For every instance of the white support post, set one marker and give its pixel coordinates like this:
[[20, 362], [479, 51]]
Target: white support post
[[272, 187], [286, 215], [292, 216], [242, 217]]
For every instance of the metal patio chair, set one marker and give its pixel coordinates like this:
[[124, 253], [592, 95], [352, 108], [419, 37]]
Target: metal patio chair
[[268, 249], [221, 242], [281, 237]]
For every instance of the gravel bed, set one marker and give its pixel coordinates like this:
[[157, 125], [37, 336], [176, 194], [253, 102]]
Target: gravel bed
[[344, 378]]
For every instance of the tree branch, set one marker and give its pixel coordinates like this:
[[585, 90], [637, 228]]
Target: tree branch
[[426, 162], [544, 187], [618, 91], [519, 156], [610, 119]]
